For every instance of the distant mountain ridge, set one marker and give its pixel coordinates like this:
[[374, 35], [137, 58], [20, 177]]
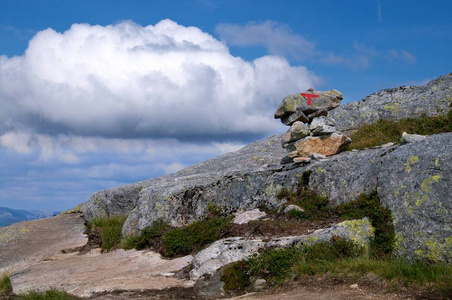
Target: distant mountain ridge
[[10, 216]]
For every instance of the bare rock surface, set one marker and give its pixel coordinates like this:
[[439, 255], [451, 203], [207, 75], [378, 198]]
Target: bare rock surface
[[25, 243], [32, 253], [433, 99], [86, 275]]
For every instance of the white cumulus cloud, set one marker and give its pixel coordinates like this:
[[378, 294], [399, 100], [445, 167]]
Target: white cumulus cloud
[[128, 81]]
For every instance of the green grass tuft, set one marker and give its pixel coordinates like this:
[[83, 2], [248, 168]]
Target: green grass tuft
[[6, 287], [315, 207], [111, 228], [174, 242], [51, 294], [384, 131], [278, 265], [192, 238]]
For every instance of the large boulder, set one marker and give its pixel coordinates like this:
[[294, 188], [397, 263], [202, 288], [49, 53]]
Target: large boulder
[[415, 183], [297, 105], [435, 98], [226, 251], [121, 200], [326, 145]]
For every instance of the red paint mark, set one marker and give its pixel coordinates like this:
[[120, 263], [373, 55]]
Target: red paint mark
[[309, 96]]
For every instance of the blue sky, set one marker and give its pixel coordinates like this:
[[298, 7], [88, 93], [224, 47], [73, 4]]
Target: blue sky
[[101, 93]]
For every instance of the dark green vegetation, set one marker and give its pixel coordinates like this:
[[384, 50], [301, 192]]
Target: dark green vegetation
[[173, 242], [338, 258], [278, 265], [369, 206], [384, 131], [5, 285], [316, 208], [109, 230], [46, 295]]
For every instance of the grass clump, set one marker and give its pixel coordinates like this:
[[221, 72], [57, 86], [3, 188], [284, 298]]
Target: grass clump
[[6, 287], [381, 219], [277, 265], [51, 294], [384, 131], [339, 258], [194, 237], [174, 242], [109, 229], [314, 205]]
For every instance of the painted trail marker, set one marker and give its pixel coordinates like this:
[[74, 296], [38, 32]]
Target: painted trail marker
[[309, 97]]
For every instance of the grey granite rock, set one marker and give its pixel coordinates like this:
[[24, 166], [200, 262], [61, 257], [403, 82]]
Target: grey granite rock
[[433, 99], [415, 182], [343, 177], [121, 200], [411, 138], [297, 116], [248, 216], [297, 131], [293, 103], [226, 251], [322, 125]]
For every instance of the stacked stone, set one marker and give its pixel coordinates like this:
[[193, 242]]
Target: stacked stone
[[312, 134]]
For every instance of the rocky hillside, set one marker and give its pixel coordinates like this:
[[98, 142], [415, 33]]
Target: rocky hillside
[[412, 179], [299, 185], [433, 99]]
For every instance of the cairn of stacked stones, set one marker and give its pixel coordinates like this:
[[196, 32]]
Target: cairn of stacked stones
[[312, 134]]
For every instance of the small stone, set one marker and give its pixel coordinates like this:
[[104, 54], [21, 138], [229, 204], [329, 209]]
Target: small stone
[[298, 115], [302, 159], [322, 125], [292, 207], [247, 216], [387, 145], [297, 131], [286, 160], [411, 138], [354, 286], [318, 156], [260, 284]]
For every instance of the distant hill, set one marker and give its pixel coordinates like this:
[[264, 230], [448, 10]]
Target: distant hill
[[10, 216]]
